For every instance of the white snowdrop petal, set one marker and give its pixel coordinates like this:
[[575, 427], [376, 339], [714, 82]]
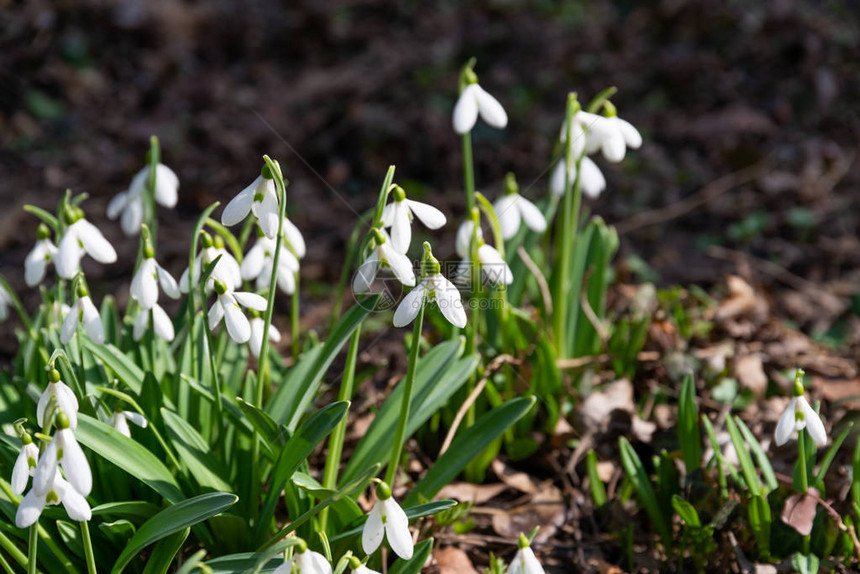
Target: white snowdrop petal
[[286, 280], [314, 563], [288, 260], [255, 343], [44, 399], [117, 204], [464, 238], [431, 217], [466, 110], [295, 238], [37, 261], [388, 215], [20, 473], [132, 217], [593, 182], [162, 324], [364, 570], [493, 266], [237, 324], [70, 324], [69, 255], [374, 530], [613, 147], [556, 179], [632, 137], [94, 242], [141, 322], [366, 274], [531, 215], [285, 568], [76, 505], [410, 306], [491, 110], [167, 282], [136, 418], [401, 229], [74, 463], [267, 214], [29, 510], [92, 321], [251, 300], [46, 469], [400, 265], [785, 426], [216, 313], [531, 565], [449, 302], [121, 424], [252, 264], [397, 529], [814, 426], [508, 213], [144, 285], [166, 186], [240, 206], [227, 269]]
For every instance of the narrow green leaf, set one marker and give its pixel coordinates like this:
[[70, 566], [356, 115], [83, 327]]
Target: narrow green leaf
[[43, 215], [128, 455], [644, 491], [296, 451], [165, 551], [747, 467], [129, 509], [265, 426], [686, 511], [598, 490], [760, 521], [689, 436], [195, 454], [830, 455], [467, 446], [760, 456], [173, 519], [126, 370]]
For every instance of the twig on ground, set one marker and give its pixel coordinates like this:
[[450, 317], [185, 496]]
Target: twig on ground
[[539, 277]]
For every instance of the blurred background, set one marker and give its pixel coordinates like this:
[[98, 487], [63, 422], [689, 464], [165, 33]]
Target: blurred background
[[748, 110]]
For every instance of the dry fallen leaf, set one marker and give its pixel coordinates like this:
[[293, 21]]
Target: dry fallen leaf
[[749, 372], [799, 510], [594, 412], [545, 509], [517, 480], [452, 560], [467, 492]]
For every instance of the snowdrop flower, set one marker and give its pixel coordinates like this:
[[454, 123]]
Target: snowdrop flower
[[358, 568], [227, 307], [387, 519], [259, 198], [294, 237], [257, 265], [463, 241], [25, 464], [512, 208], [85, 313], [161, 323], [385, 255], [5, 302], [120, 421], [475, 100], [58, 396], [60, 491], [129, 203], [493, 266], [227, 269], [144, 284], [525, 561], [305, 562], [256, 341], [39, 257], [591, 179], [398, 216], [798, 415], [65, 451], [81, 238], [613, 135], [435, 287]]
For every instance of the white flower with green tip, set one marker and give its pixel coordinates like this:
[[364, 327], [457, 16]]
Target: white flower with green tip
[[84, 312], [257, 265], [60, 491], [255, 343], [120, 420], [799, 415], [129, 203], [512, 209], [80, 238], [473, 101], [398, 215], [387, 519], [58, 395], [259, 198], [383, 255], [227, 307], [227, 269], [25, 464], [305, 562], [65, 451], [434, 286], [42, 254], [525, 561]]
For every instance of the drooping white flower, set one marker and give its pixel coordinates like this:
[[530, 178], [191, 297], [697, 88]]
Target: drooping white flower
[[255, 343], [613, 136], [307, 562], [257, 265], [144, 284], [513, 208], [120, 421], [383, 254], [434, 286], [591, 180], [5, 302], [227, 270], [525, 562], [464, 238], [85, 313], [475, 100], [39, 257], [65, 451], [226, 307], [25, 464], [294, 237], [161, 323], [129, 203], [259, 198], [387, 519], [60, 491], [798, 415], [81, 238], [63, 397], [362, 569], [494, 268], [398, 216]]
